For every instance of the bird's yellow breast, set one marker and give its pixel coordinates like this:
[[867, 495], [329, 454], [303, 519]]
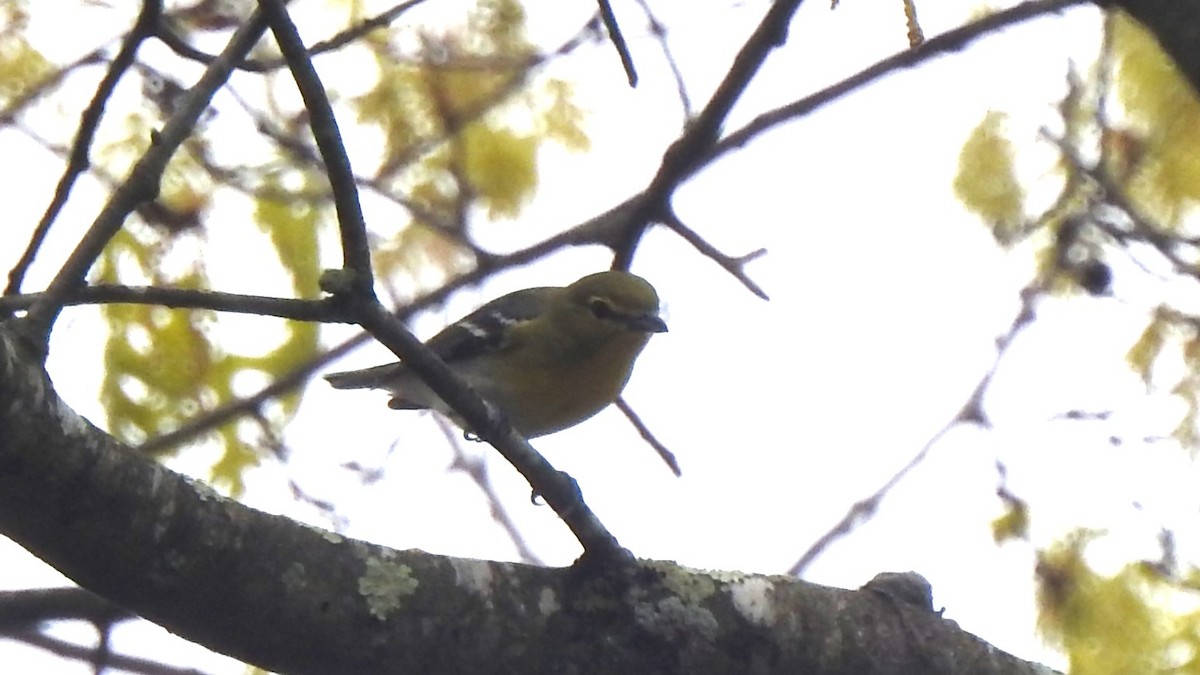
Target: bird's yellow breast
[[549, 388]]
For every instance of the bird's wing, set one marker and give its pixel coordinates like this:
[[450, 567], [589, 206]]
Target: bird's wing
[[484, 330]]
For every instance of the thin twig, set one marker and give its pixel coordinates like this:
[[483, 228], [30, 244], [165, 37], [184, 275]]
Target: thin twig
[[29, 608], [356, 252], [736, 266], [950, 41], [70, 650], [659, 31], [34, 91], [648, 436], [618, 41], [142, 183], [971, 412], [79, 158], [323, 310], [476, 469], [177, 44], [690, 151]]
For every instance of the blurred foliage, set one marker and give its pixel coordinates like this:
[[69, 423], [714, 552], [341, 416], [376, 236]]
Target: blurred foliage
[[1128, 176], [1014, 522], [460, 123], [23, 69], [1127, 622], [461, 118], [1161, 116], [987, 182]]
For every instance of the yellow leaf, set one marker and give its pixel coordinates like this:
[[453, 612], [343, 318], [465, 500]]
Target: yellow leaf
[[1165, 112], [292, 227], [501, 168], [1014, 523], [21, 67], [400, 105], [563, 119], [498, 26], [986, 181], [1106, 625], [1142, 355]]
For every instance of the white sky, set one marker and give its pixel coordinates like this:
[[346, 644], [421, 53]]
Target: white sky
[[886, 299]]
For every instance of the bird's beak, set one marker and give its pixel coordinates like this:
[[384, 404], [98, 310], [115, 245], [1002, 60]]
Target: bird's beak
[[648, 323]]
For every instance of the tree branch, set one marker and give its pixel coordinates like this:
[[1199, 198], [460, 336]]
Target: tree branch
[[324, 310], [81, 146], [121, 662], [690, 151], [180, 46], [950, 41], [658, 446], [26, 610], [618, 41], [971, 412], [356, 252], [142, 182], [295, 599], [559, 490]]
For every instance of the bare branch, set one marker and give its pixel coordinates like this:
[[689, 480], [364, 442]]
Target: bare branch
[[476, 469], [356, 252], [618, 40], [736, 266], [950, 41], [659, 31], [27, 609], [70, 650], [324, 311], [560, 491], [143, 180], [35, 91], [177, 44], [648, 436], [971, 412], [89, 121], [694, 148]]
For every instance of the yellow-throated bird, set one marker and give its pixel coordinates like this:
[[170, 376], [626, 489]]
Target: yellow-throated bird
[[549, 358]]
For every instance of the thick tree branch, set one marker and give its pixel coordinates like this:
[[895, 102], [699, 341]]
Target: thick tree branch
[[295, 599]]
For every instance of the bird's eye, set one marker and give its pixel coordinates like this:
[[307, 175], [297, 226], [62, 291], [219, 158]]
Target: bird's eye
[[601, 309]]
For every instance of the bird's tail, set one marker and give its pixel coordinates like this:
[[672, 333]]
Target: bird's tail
[[377, 377]]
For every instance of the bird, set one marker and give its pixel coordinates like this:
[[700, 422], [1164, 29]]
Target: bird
[[547, 357]]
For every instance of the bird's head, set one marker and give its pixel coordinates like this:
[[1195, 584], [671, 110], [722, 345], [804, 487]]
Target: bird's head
[[615, 301]]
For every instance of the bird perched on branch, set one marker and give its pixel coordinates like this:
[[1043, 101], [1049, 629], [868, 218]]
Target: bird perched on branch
[[549, 358]]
